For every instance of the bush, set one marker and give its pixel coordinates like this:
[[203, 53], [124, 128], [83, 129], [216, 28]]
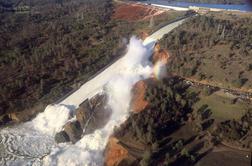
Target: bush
[[146, 158], [155, 146], [207, 91], [238, 83], [249, 67]]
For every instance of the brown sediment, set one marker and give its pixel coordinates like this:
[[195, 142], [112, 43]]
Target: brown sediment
[[138, 102], [160, 55]]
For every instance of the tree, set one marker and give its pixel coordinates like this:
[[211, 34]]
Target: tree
[[178, 145], [146, 158], [42, 85], [184, 152], [207, 91], [249, 67], [238, 83], [155, 146], [167, 159], [250, 147]]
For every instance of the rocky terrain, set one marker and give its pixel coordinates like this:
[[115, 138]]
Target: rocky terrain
[[91, 115]]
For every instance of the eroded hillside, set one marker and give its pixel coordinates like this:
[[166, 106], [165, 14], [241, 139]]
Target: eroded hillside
[[185, 119]]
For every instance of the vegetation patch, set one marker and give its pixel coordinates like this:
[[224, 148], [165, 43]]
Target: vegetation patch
[[223, 107], [183, 125]]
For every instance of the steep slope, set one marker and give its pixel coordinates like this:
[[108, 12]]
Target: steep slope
[[115, 153]]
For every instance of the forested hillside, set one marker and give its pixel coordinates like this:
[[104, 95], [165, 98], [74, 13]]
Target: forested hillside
[[215, 48], [50, 50], [56, 46], [172, 131], [190, 119], [147, 135]]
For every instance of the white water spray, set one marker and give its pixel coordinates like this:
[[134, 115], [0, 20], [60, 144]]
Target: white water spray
[[134, 66], [32, 143], [89, 150]]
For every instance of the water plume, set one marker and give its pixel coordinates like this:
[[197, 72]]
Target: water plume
[[89, 150]]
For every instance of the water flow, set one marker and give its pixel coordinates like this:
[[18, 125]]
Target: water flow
[[32, 143]]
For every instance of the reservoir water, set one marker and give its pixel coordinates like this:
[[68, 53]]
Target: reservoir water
[[241, 7]]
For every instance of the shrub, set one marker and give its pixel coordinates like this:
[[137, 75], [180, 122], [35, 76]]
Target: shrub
[[207, 91], [238, 83]]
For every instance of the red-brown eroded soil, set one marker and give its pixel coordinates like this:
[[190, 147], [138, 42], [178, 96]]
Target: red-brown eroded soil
[[114, 152], [138, 102], [134, 12], [143, 35], [160, 55]]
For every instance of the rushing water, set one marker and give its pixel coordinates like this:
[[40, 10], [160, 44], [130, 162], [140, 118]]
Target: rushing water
[[22, 145], [32, 143], [242, 7]]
